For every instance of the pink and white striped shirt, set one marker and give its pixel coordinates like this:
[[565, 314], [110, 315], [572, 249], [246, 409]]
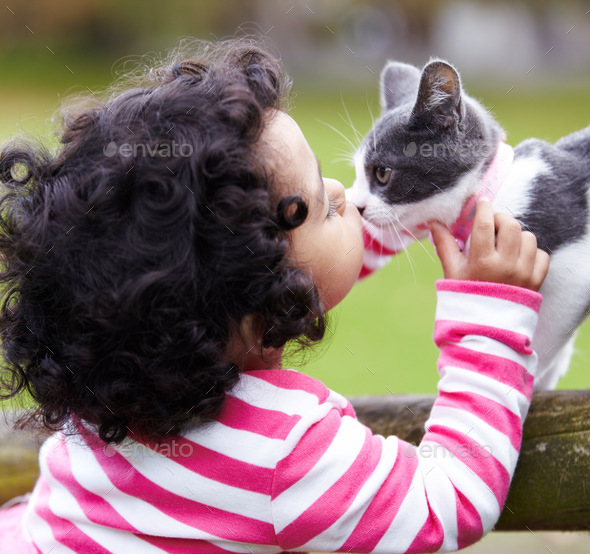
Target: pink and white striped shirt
[[288, 467]]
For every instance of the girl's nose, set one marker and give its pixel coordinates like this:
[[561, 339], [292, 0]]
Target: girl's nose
[[352, 197]]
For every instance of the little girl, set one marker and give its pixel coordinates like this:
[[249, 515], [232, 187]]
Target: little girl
[[153, 269]]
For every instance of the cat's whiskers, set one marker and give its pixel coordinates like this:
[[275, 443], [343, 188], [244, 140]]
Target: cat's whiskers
[[410, 261], [396, 257], [372, 125], [358, 134], [345, 158], [339, 132], [416, 240], [345, 155]]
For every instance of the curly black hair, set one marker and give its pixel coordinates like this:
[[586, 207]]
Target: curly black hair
[[130, 255]]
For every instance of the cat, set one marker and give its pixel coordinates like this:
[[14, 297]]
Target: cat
[[434, 150]]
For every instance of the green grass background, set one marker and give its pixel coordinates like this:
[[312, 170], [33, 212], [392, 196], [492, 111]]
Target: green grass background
[[380, 336]]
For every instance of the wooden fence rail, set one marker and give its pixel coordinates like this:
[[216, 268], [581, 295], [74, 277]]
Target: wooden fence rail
[[551, 486]]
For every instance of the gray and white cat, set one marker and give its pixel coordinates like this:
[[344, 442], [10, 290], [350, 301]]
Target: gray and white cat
[[434, 149]]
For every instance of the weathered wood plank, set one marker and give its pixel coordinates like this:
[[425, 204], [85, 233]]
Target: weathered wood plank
[[19, 467], [551, 487]]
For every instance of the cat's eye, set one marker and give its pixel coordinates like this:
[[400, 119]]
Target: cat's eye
[[382, 174]]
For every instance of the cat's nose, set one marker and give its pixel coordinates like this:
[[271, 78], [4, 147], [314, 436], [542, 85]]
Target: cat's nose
[[361, 210]]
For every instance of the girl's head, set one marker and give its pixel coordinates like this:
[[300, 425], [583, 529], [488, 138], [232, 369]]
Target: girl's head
[[329, 242], [133, 256]]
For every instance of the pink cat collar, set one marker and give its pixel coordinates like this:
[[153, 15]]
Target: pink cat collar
[[490, 185]]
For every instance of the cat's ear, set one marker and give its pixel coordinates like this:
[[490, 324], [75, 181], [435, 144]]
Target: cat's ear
[[439, 95], [399, 83]]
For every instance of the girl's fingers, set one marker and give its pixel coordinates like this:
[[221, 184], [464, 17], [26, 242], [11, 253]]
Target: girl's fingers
[[508, 236], [533, 263], [540, 269], [528, 249], [446, 247], [500, 251], [483, 233]]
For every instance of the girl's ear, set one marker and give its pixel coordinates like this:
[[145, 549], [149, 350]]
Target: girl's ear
[[399, 83], [439, 96], [252, 354], [251, 331]]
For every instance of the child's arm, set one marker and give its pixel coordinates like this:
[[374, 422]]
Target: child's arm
[[343, 489]]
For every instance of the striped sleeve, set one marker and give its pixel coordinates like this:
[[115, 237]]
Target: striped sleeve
[[340, 488]]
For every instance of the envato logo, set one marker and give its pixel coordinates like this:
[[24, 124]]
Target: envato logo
[[137, 451], [161, 150], [468, 150], [434, 450]]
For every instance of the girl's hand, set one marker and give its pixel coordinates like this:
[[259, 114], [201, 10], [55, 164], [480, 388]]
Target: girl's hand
[[500, 251]]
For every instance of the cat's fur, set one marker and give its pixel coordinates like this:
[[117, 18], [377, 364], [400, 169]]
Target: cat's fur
[[431, 146]]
